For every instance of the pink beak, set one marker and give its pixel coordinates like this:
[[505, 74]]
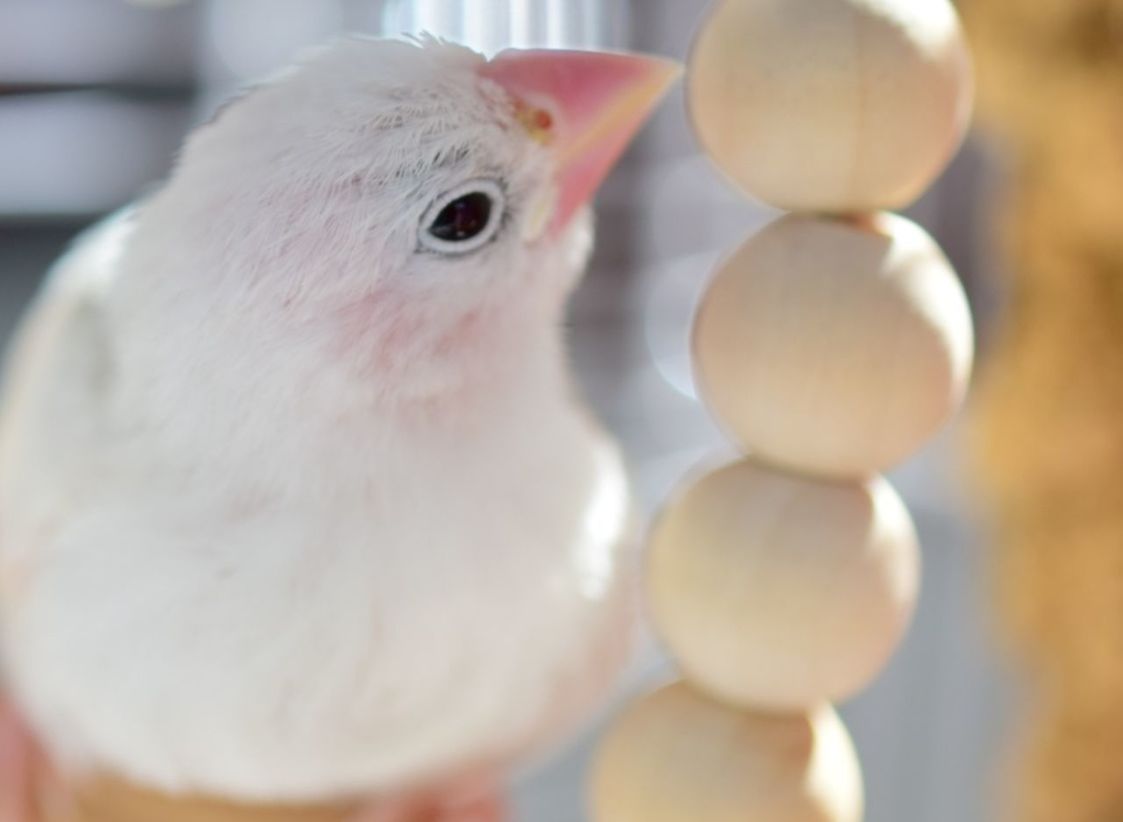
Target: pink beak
[[587, 106]]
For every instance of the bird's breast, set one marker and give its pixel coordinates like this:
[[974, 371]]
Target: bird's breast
[[441, 607]]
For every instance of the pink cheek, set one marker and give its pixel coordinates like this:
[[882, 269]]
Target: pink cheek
[[463, 334], [375, 322], [382, 332]]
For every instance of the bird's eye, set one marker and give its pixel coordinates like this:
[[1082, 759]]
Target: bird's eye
[[463, 219]]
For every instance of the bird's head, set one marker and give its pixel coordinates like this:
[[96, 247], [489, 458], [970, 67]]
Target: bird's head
[[414, 209]]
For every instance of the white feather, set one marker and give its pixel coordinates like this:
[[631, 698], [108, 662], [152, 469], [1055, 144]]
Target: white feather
[[290, 509]]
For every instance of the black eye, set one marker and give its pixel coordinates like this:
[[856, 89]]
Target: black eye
[[463, 219]]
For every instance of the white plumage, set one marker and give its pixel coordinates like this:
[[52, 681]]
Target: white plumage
[[290, 506]]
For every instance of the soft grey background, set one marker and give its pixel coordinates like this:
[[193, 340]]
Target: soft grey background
[[95, 95]]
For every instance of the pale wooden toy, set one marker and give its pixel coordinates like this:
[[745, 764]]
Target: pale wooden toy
[[831, 105], [831, 346], [777, 591], [675, 756], [834, 346]]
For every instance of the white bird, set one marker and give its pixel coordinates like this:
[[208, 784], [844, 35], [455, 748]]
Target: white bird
[[296, 498]]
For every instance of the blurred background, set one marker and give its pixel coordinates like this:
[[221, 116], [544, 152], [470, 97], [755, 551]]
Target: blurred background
[[96, 95]]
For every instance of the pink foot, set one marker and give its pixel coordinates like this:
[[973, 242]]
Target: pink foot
[[475, 806], [491, 808], [17, 756], [21, 765]]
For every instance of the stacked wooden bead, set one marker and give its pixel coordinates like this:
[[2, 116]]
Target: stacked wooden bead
[[830, 346]]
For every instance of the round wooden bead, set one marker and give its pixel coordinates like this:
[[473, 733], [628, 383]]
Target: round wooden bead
[[676, 756], [774, 591], [834, 346], [831, 105]]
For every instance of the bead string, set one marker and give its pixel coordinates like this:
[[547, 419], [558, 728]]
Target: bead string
[[830, 346]]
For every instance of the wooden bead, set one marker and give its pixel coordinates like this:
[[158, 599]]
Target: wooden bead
[[831, 105], [835, 347], [774, 591], [676, 756]]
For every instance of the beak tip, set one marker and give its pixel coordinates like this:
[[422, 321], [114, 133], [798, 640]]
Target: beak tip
[[665, 75], [670, 70]]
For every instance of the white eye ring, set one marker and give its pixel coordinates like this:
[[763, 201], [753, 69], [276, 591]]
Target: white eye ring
[[480, 234]]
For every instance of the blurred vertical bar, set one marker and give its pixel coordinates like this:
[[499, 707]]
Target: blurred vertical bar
[[522, 24], [560, 24], [485, 23], [592, 12], [492, 25], [245, 40]]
